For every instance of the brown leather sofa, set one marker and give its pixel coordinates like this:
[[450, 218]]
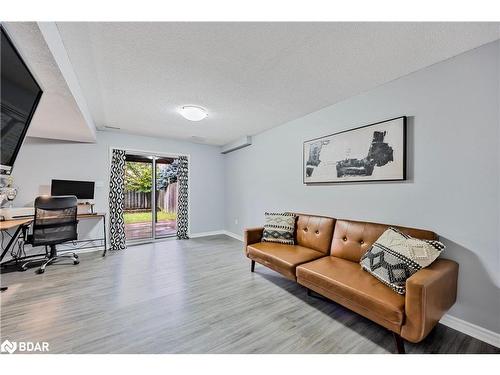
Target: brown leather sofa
[[326, 261], [312, 242]]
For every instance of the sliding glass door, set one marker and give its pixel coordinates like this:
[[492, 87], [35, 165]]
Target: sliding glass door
[[150, 197], [138, 183], [165, 217]]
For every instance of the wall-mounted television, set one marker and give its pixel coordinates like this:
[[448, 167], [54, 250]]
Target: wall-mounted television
[[19, 97]]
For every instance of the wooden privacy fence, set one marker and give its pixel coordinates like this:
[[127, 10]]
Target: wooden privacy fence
[[167, 199], [137, 200]]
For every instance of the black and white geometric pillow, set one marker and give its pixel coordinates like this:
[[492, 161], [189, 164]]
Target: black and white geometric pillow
[[279, 227], [395, 256]]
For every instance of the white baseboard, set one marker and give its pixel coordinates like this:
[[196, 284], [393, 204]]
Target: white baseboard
[[233, 235], [217, 232], [89, 249], [470, 329], [206, 234]]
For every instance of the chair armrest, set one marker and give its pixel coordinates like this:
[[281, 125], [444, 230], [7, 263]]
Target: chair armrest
[[251, 236], [429, 294]]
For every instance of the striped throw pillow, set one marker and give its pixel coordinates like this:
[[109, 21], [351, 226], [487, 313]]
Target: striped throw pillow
[[279, 227], [395, 256]]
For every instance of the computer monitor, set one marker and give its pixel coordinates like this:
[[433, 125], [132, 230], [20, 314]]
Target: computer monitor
[[84, 190]]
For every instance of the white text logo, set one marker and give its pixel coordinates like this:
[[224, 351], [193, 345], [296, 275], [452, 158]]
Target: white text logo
[[24, 346]]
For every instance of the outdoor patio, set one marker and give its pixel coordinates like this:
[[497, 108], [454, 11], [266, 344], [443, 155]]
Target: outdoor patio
[[144, 230]]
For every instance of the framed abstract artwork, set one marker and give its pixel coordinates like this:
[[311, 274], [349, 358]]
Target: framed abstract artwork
[[375, 152]]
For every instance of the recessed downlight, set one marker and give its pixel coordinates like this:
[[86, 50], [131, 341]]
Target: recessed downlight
[[193, 112]]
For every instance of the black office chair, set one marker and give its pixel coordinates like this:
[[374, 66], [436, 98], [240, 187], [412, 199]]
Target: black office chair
[[55, 223]]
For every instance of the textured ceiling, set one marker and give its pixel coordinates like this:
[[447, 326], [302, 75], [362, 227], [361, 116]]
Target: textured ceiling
[[57, 115], [250, 76]]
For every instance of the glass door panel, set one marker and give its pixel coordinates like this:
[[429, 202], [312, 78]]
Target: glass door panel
[[165, 218], [138, 197]]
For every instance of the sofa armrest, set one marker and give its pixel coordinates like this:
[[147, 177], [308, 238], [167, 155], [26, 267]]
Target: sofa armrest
[[429, 294], [251, 236]]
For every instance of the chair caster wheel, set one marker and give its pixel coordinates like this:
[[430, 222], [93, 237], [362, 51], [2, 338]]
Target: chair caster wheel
[[75, 256], [40, 271], [23, 269], [76, 262]]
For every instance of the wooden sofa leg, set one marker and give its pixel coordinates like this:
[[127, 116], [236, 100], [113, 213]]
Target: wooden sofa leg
[[399, 342], [252, 267]]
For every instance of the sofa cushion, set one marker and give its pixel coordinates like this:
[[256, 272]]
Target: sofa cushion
[[280, 257], [345, 282], [395, 256], [279, 227], [315, 232], [352, 239]]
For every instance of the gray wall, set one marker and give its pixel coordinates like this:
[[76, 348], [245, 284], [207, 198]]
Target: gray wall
[[41, 160], [453, 185]]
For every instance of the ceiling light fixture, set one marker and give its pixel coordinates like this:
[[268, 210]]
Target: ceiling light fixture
[[193, 112]]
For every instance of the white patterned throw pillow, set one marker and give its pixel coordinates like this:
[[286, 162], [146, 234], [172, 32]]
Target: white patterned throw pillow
[[395, 256], [279, 227]]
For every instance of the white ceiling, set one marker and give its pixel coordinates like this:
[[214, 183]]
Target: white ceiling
[[249, 76], [58, 115]]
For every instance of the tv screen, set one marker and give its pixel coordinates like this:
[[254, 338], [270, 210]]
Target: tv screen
[[82, 189], [19, 97]]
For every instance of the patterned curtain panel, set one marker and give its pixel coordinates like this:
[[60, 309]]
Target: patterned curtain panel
[[116, 201], [182, 203]]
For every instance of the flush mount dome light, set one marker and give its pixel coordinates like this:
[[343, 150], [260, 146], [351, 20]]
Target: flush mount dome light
[[193, 113]]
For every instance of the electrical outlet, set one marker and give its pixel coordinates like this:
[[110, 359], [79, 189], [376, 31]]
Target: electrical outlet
[[236, 221]]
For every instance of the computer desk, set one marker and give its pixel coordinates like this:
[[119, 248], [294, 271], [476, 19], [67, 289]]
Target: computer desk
[[19, 224], [24, 223]]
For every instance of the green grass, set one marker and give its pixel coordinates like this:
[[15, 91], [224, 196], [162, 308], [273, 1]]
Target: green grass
[[143, 217]]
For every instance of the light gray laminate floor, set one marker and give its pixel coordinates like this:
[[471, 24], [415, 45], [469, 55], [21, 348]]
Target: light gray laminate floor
[[192, 296]]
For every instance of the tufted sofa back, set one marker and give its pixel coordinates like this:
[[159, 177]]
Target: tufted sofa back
[[352, 239], [314, 232]]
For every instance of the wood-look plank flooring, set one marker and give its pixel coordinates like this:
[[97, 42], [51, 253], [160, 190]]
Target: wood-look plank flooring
[[192, 296]]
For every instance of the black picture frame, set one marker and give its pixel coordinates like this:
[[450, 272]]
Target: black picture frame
[[353, 179]]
